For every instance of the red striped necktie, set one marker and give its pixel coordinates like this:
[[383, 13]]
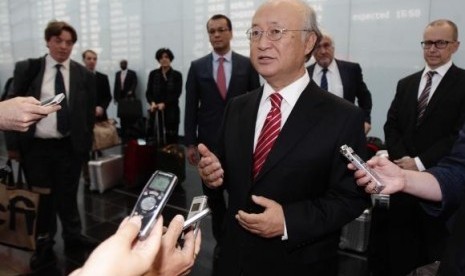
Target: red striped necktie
[[268, 134]]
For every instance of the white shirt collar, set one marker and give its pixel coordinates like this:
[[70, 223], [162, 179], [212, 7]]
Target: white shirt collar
[[290, 93], [331, 67], [227, 56], [441, 70], [51, 62]]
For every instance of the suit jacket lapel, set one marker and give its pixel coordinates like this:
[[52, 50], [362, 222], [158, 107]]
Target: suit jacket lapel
[[345, 78], [447, 81], [303, 116], [73, 84]]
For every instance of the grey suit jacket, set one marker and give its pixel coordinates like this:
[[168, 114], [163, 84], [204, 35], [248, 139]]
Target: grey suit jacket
[[81, 102], [204, 106], [304, 172]]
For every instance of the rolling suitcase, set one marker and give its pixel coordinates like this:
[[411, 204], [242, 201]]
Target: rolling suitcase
[[105, 172], [139, 162], [355, 234], [170, 158]]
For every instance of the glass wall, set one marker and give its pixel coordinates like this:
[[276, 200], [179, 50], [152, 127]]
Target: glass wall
[[383, 36]]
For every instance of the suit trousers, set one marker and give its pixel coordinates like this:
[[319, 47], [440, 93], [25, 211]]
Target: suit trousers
[[52, 163], [217, 204]]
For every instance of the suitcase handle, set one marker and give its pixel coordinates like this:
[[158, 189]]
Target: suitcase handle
[[157, 129]]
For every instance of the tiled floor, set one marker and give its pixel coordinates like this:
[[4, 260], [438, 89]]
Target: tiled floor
[[102, 213]]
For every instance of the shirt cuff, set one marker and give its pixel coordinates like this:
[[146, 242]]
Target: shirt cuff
[[284, 237], [419, 164]]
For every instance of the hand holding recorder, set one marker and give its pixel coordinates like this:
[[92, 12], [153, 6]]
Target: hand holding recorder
[[374, 182], [19, 113]]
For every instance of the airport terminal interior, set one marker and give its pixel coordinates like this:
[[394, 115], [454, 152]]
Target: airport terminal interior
[[383, 37], [101, 214]]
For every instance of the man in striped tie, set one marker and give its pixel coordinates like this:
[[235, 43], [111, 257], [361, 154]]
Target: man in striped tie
[[422, 124], [278, 156]]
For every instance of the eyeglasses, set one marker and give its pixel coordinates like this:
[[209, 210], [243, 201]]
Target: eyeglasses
[[219, 30], [274, 34], [439, 44]]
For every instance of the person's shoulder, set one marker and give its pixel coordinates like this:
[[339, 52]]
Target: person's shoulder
[[346, 63], [412, 77], [202, 60], [101, 75], [239, 58], [79, 66]]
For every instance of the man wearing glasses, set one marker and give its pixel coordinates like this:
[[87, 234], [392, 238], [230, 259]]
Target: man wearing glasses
[[211, 82], [278, 156], [422, 124]]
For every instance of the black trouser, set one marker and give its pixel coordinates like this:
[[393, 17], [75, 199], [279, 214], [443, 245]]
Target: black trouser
[[217, 204], [52, 163]]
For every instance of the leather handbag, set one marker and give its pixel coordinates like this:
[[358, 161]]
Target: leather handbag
[[129, 108], [18, 211], [105, 135]]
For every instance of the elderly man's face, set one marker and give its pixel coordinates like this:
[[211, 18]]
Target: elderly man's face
[[282, 61], [324, 52]]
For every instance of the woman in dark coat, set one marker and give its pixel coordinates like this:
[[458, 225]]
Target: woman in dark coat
[[163, 90]]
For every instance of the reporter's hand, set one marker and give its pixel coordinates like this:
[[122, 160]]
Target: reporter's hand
[[172, 259], [20, 113], [161, 106], [122, 253], [389, 175], [268, 224], [209, 168]]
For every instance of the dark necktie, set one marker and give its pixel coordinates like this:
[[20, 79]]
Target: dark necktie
[[324, 80], [268, 134], [423, 99], [62, 114], [221, 78]]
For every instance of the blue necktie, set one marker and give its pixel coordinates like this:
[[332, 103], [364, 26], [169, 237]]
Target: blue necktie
[[324, 80], [62, 114]]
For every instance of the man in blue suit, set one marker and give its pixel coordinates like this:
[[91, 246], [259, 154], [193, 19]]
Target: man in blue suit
[[343, 78], [205, 100]]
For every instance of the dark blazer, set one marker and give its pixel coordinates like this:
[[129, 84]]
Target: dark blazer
[[430, 141], [353, 85], [103, 91], [304, 172], [450, 173], [81, 105], [168, 92], [204, 105], [130, 85], [443, 118]]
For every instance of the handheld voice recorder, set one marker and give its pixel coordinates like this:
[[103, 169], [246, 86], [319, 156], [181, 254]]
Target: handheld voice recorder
[[349, 153], [53, 100], [153, 199], [197, 211]]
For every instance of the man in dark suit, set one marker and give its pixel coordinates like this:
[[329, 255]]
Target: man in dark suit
[[343, 78], [205, 102], [125, 87], [89, 58], [52, 151], [125, 82], [422, 124], [285, 213]]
